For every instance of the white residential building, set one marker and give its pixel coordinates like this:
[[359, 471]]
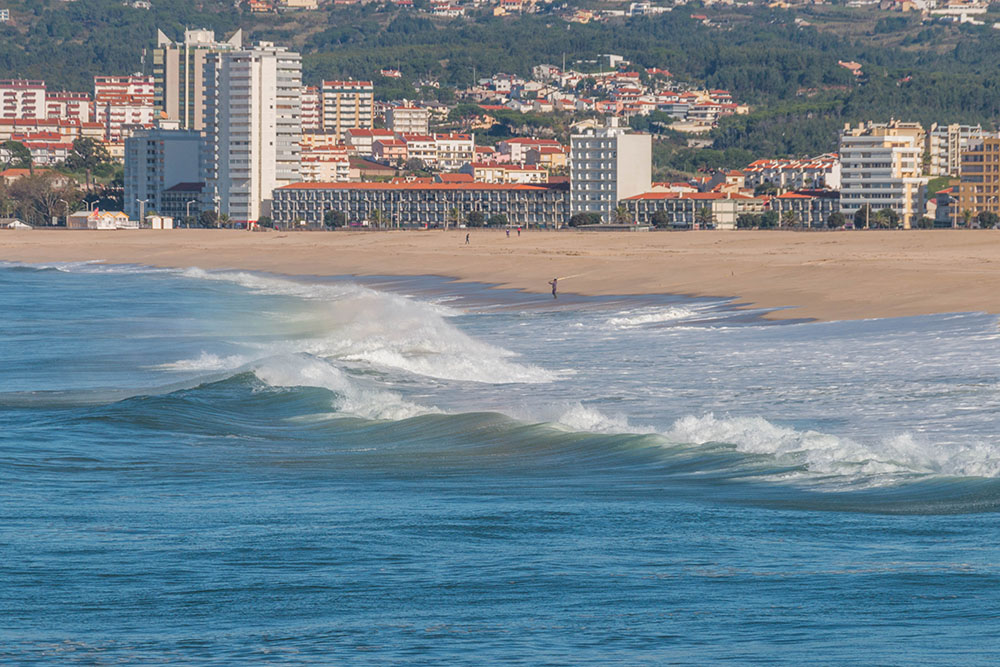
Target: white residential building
[[68, 106], [945, 144], [822, 171], [454, 151], [312, 109], [122, 103], [20, 98], [608, 165], [408, 119], [156, 160], [881, 168], [253, 128]]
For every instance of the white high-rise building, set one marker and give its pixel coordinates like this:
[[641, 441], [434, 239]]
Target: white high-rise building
[[607, 165], [881, 165], [253, 128], [945, 144]]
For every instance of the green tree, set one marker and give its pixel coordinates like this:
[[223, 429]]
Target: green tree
[[334, 219], [581, 219], [497, 220], [864, 217], [661, 219], [17, 155], [769, 220], [265, 221], [87, 154], [887, 218], [836, 220], [925, 223], [208, 219], [475, 219], [453, 217], [987, 219]]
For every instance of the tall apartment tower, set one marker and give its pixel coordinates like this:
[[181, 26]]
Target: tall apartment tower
[[607, 165], [178, 74], [945, 144], [347, 104], [155, 161], [979, 184], [253, 128], [881, 165]]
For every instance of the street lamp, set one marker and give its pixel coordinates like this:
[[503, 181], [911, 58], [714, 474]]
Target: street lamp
[[142, 209], [187, 207], [66, 203]]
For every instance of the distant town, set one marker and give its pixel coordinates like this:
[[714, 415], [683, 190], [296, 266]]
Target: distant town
[[218, 132]]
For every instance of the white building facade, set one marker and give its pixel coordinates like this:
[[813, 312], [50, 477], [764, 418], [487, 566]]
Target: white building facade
[[608, 165], [945, 144], [253, 128]]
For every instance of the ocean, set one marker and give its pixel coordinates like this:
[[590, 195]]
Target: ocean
[[204, 467]]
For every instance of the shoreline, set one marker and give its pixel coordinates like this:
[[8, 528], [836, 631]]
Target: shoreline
[[828, 275]]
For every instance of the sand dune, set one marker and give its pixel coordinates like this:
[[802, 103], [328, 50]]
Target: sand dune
[[822, 275]]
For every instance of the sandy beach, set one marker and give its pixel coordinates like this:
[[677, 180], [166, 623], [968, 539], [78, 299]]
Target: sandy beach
[[821, 275]]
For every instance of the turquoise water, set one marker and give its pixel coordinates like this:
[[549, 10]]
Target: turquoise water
[[218, 468]]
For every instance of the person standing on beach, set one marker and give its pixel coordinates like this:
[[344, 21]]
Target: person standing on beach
[[554, 282], [508, 232], [518, 232], [466, 239]]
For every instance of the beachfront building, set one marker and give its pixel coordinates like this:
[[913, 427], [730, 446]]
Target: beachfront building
[[608, 165], [179, 74], [945, 144], [253, 128], [881, 166], [312, 110], [691, 210], [408, 119], [347, 104], [807, 208], [420, 204], [156, 160], [979, 181]]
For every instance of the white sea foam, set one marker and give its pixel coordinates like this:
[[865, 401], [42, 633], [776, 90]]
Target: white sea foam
[[638, 318], [205, 362], [352, 398], [356, 324], [822, 454]]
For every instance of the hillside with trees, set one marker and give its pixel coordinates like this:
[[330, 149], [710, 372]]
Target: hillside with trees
[[782, 62]]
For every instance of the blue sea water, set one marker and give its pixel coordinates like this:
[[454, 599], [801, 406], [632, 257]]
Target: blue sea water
[[220, 468]]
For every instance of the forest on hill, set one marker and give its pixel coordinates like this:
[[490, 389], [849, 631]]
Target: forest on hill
[[782, 62]]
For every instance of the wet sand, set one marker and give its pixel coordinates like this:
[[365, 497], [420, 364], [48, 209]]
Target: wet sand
[[821, 275]]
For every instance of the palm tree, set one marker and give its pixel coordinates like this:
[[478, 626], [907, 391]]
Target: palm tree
[[454, 217], [789, 219], [623, 216], [704, 216], [378, 217], [966, 218]]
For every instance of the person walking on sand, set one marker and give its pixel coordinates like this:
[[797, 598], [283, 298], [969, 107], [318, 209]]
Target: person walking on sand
[[554, 282], [518, 232], [508, 232], [466, 239]]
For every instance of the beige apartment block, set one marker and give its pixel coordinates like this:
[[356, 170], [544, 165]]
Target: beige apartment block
[[979, 185], [346, 105]]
